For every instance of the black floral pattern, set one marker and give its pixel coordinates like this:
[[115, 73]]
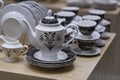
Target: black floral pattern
[[49, 39]]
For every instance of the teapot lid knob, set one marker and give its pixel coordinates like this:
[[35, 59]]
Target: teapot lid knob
[[49, 12], [49, 19]]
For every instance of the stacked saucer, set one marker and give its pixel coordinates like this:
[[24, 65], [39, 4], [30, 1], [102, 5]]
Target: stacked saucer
[[32, 59], [103, 26], [106, 23]]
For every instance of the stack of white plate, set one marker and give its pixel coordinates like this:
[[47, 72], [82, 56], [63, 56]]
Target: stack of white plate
[[105, 4], [79, 3], [15, 18]]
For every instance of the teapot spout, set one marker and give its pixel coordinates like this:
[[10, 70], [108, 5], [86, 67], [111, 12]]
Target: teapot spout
[[32, 35]]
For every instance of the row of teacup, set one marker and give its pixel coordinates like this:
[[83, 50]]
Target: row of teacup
[[93, 27]]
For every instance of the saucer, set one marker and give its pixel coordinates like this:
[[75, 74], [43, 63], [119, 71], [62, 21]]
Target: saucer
[[105, 35], [77, 18], [100, 28], [95, 35], [92, 52], [60, 56], [17, 8], [100, 43], [51, 64]]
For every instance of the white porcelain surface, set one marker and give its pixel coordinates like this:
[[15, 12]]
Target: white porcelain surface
[[12, 51], [71, 56], [12, 24], [65, 14], [105, 22], [41, 56], [9, 40], [87, 23], [105, 35], [100, 28], [15, 31], [49, 38], [79, 3], [91, 17], [96, 11], [95, 35], [100, 43], [70, 8], [77, 18], [21, 10], [1, 3]]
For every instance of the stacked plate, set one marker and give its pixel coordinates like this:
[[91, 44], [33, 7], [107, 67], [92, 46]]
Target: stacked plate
[[79, 3], [105, 4], [30, 56], [37, 10], [15, 18]]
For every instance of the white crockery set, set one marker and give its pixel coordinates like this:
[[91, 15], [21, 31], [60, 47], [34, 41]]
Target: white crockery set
[[46, 37], [101, 28], [46, 34]]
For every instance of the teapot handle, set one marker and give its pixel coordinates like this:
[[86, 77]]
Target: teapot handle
[[24, 49], [2, 3], [73, 26], [1, 49]]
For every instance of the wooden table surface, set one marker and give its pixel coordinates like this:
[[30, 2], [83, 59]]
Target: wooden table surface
[[80, 70]]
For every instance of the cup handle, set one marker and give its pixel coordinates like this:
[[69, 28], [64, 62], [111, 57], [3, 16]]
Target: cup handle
[[1, 50], [75, 31], [2, 3], [24, 49]]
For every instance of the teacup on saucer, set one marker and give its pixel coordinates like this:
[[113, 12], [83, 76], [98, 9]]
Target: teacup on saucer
[[106, 23], [69, 16], [87, 42]]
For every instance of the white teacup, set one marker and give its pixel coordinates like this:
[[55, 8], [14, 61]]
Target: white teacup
[[12, 51]]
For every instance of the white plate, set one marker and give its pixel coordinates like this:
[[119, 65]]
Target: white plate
[[12, 28], [41, 8], [92, 52], [34, 11], [26, 6], [60, 56], [23, 11]]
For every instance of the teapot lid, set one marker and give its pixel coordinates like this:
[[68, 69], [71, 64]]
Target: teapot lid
[[49, 19]]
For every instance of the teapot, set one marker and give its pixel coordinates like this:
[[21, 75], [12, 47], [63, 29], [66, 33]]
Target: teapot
[[49, 35]]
